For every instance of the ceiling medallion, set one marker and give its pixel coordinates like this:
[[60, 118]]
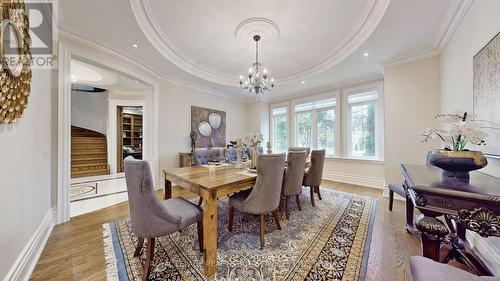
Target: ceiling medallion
[[258, 81], [15, 72]]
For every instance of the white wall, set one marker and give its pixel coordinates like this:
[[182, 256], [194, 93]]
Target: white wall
[[25, 170], [175, 119], [258, 120], [412, 100], [478, 27], [90, 111]]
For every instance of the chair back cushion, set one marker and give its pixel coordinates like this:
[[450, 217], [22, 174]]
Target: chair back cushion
[[230, 153], [249, 151], [148, 216], [202, 156], [314, 174], [298, 148], [294, 173], [265, 195]]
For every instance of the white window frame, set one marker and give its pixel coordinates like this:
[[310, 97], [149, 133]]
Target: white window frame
[[271, 128], [333, 94], [379, 117]]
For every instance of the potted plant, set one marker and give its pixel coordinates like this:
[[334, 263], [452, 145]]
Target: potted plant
[[455, 159]]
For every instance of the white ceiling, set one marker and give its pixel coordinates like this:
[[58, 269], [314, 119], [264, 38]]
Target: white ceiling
[[322, 43], [93, 75]]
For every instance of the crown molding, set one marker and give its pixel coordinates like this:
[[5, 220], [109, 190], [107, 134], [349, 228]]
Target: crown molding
[[411, 58], [364, 27], [369, 78], [80, 37], [454, 15]]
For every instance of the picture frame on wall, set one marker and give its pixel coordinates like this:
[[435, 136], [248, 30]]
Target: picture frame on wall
[[210, 127], [486, 93]]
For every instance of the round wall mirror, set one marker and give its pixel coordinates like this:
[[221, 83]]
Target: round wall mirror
[[11, 46]]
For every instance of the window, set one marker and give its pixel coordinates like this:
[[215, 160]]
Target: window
[[362, 118], [347, 122], [315, 125], [280, 130]]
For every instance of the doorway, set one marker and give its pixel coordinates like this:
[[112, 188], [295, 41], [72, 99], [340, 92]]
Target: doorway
[[130, 133]]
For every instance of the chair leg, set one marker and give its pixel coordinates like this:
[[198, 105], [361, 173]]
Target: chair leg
[[138, 248], [231, 218], [312, 195], [319, 194], [149, 259], [277, 219], [297, 198], [391, 199], [262, 226], [287, 211], [200, 235]]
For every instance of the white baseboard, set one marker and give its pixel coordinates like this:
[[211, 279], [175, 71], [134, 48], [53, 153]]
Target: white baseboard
[[354, 179], [487, 250], [26, 261]]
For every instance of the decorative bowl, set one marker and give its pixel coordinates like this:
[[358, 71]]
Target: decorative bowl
[[457, 164]]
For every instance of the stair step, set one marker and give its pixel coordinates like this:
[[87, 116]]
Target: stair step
[[95, 161]]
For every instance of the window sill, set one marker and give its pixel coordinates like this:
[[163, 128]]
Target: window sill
[[360, 160]]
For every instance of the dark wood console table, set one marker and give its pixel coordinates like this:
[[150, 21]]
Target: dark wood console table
[[472, 205]]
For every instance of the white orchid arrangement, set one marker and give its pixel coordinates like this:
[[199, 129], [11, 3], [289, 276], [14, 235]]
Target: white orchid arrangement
[[253, 139], [461, 130]]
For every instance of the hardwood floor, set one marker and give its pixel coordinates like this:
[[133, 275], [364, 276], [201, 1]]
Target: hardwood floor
[[74, 250]]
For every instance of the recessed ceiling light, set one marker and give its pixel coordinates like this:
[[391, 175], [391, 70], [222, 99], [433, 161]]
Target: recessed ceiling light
[[303, 82], [135, 45], [135, 81], [366, 54]]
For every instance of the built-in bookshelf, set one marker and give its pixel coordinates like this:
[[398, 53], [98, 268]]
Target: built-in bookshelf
[[131, 134]]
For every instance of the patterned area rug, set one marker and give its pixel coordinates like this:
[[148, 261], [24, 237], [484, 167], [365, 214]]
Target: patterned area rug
[[328, 242]]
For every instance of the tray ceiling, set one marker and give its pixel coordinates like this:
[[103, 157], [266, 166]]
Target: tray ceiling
[[196, 43]]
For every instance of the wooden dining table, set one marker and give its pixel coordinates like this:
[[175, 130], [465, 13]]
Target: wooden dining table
[[226, 179]]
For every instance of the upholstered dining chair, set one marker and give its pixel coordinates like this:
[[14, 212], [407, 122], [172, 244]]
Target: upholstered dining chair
[[298, 148], [424, 269], [292, 179], [152, 218], [250, 151], [202, 156], [314, 174], [264, 197], [230, 154]]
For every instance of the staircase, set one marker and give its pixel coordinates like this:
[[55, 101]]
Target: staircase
[[89, 153]]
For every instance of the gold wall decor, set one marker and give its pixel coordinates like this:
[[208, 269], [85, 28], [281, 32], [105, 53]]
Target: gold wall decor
[[15, 75]]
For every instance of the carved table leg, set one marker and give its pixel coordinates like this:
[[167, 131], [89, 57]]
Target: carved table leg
[[431, 231], [410, 226]]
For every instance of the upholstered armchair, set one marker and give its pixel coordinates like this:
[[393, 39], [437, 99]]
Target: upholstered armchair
[[314, 174], [264, 197], [152, 218], [202, 156], [298, 148], [292, 180], [424, 269]]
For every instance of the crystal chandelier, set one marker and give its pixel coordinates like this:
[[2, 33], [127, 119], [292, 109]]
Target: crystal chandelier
[[258, 81]]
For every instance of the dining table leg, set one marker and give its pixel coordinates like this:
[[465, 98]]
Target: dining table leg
[[167, 191], [210, 232]]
